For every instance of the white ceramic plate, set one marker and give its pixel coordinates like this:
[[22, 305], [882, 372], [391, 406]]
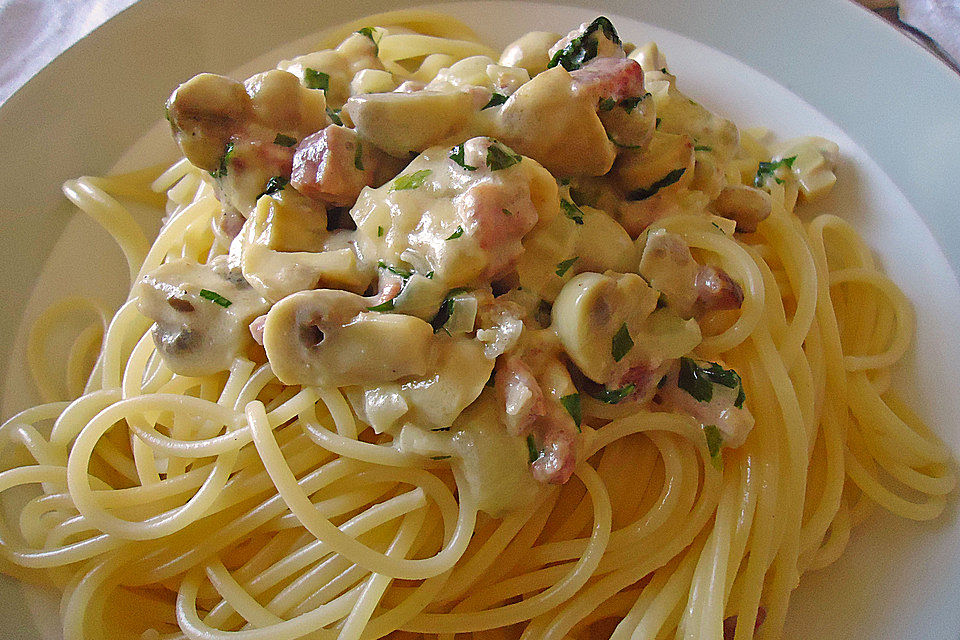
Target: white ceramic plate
[[824, 67]]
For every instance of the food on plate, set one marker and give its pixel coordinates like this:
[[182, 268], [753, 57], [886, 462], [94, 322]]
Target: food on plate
[[436, 340]]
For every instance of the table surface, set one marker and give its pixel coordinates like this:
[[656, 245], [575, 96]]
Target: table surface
[[34, 32]]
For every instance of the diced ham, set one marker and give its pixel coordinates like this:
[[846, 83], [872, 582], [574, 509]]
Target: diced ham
[[716, 290], [330, 167], [558, 455], [519, 395], [502, 213], [613, 78]]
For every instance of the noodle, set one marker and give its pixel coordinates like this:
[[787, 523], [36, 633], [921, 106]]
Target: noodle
[[232, 505]]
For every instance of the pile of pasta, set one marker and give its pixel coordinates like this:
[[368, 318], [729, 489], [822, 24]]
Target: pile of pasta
[[234, 506]]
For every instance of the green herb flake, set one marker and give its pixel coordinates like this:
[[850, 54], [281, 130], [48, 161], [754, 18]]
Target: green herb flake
[[583, 48], [622, 343], [441, 429], [768, 170], [379, 232], [571, 210], [614, 396], [714, 444], [741, 397], [313, 79], [334, 115], [429, 275], [456, 234], [394, 270], [500, 156], [383, 306], [692, 380], [274, 185], [629, 104], [369, 32], [532, 449], [411, 181], [665, 181], [284, 141], [358, 157], [507, 212], [496, 100], [456, 154], [439, 457], [606, 104], [564, 266], [443, 314], [703, 147], [572, 404], [215, 297], [224, 161]]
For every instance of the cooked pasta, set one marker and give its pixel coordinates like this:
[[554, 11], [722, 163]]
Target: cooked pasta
[[441, 342]]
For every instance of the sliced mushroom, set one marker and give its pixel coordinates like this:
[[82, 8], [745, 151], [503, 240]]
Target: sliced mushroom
[[530, 51], [609, 324], [203, 113], [201, 314], [670, 268], [400, 123], [284, 247], [325, 337], [745, 205]]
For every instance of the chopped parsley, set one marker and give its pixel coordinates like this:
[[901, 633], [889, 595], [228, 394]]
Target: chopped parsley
[[572, 404], [564, 266], [703, 147], [446, 308], [284, 141], [456, 154], [507, 212], [383, 306], [334, 115], [665, 181], [714, 443], [411, 180], [379, 231], [500, 156], [224, 161], [613, 396], [629, 104], [571, 210], [496, 100], [215, 297], [656, 125], [313, 79], [532, 449], [606, 104], [768, 170], [622, 343], [274, 185], [358, 157], [429, 275], [583, 48], [441, 429], [698, 380], [369, 32], [439, 457], [456, 234], [394, 270]]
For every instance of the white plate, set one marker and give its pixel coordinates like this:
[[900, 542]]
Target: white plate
[[824, 67]]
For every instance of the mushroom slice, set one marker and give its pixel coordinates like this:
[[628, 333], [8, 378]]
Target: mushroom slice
[[747, 206], [609, 324], [201, 314], [325, 337], [670, 268]]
